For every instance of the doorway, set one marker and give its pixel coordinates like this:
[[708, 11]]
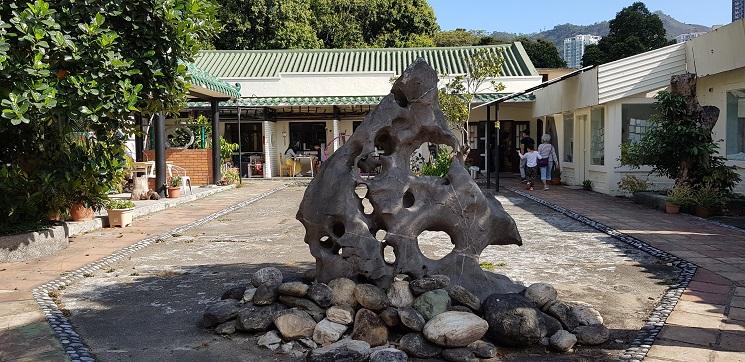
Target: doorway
[[509, 144]]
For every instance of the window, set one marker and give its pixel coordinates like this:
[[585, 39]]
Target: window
[[308, 134], [597, 136], [736, 125], [568, 137], [251, 137], [635, 121]]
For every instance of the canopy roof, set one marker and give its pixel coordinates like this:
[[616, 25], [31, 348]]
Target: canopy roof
[[338, 101], [206, 86], [243, 64]]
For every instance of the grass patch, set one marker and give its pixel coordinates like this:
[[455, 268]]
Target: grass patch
[[487, 265]]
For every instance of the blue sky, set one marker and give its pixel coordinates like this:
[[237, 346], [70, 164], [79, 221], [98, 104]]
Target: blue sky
[[528, 16]]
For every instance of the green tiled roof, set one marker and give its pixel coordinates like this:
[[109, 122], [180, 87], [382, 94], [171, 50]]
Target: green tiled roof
[[337, 101], [235, 64], [204, 79]]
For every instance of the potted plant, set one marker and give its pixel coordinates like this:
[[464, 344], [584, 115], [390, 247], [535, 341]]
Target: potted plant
[[708, 200], [555, 176], [231, 176], [120, 212], [680, 195], [174, 189], [632, 184], [587, 185]]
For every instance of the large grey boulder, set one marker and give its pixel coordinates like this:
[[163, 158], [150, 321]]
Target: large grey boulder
[[321, 294], [341, 315], [341, 237], [563, 341], [370, 328], [253, 318], [399, 294], [293, 289], [265, 294], [347, 350], [294, 324], [455, 329], [513, 320], [483, 349], [592, 335], [388, 355], [463, 296], [270, 276], [370, 296], [414, 344], [411, 318], [304, 304], [432, 303], [426, 284], [459, 355], [327, 332], [541, 294], [342, 290], [219, 312]]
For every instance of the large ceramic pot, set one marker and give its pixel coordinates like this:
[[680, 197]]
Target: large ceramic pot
[[671, 208], [120, 217], [78, 212], [174, 192]]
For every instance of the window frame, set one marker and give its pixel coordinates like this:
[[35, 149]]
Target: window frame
[[602, 112]]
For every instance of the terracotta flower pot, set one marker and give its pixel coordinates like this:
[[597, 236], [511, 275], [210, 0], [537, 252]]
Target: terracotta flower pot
[[702, 211], [54, 216], [78, 212], [174, 192], [672, 208]]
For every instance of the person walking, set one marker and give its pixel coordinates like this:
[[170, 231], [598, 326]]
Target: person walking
[[525, 141], [548, 160], [531, 158]]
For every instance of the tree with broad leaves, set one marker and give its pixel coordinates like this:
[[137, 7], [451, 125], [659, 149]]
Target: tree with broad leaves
[[633, 31], [457, 95], [542, 53], [456, 38], [71, 74], [311, 24]]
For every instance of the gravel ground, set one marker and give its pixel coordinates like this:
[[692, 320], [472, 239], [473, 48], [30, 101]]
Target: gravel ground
[[147, 307]]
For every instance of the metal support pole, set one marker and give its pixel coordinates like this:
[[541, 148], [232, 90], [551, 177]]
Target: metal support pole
[[139, 139], [487, 147], [160, 154], [496, 149], [216, 174], [240, 149]]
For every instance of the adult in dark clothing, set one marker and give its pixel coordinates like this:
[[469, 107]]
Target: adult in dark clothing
[[525, 142]]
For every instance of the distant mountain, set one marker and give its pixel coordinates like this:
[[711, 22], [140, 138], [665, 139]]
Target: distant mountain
[[563, 31]]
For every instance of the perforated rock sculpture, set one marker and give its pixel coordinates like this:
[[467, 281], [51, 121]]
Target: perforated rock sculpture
[[342, 235]]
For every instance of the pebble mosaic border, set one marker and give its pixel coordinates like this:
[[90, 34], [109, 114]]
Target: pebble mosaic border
[[653, 325], [74, 346]]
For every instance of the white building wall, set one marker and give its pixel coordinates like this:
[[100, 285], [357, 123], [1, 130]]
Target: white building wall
[[358, 84]]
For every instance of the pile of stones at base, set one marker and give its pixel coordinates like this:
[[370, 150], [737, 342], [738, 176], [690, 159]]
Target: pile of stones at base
[[423, 318]]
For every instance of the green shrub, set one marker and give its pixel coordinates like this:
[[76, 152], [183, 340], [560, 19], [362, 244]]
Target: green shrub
[[709, 196], [231, 176], [681, 195], [439, 167], [118, 204], [632, 184], [587, 185]]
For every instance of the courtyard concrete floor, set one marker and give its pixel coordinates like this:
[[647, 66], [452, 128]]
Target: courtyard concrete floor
[[147, 307]]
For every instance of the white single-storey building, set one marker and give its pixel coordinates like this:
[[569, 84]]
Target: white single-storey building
[[602, 107], [318, 97]]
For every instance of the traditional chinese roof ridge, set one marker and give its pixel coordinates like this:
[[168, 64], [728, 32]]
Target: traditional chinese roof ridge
[[241, 64]]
